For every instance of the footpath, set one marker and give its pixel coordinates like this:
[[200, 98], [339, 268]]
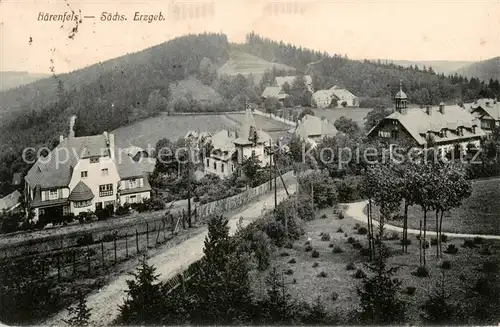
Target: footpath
[[105, 302], [356, 211]]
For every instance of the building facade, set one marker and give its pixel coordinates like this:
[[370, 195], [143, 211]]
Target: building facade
[[488, 113]]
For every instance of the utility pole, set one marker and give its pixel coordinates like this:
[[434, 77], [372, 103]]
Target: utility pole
[[312, 195], [275, 179], [189, 186], [270, 167]]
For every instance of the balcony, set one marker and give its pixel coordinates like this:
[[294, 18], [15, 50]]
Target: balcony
[[105, 193]]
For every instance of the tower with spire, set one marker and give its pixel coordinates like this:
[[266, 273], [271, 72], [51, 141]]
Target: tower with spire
[[400, 99]]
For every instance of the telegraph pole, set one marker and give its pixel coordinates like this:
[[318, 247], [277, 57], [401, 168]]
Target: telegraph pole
[[275, 180], [270, 167], [189, 186]]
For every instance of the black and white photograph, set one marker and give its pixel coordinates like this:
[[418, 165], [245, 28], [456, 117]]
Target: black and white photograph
[[249, 163]]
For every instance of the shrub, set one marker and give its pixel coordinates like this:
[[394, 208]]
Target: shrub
[[351, 240], [323, 274], [324, 216], [356, 226], [339, 230], [331, 245], [307, 243], [434, 241], [425, 245], [315, 254], [341, 215], [362, 231], [359, 274], [326, 237], [490, 267], [337, 249], [451, 249], [478, 240], [350, 266], [284, 254], [85, 239], [335, 296], [365, 251], [123, 210], [357, 245], [308, 248], [292, 261], [105, 212], [289, 272], [405, 242], [288, 245], [446, 265], [444, 238], [485, 250], [315, 264], [345, 234], [109, 237], [469, 244], [422, 272], [394, 236], [410, 290]]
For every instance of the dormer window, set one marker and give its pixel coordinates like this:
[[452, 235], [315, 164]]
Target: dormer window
[[460, 131], [94, 159]]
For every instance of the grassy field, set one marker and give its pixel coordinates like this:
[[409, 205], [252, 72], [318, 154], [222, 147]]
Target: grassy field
[[245, 64], [305, 283], [262, 122], [479, 214], [356, 114], [199, 91]]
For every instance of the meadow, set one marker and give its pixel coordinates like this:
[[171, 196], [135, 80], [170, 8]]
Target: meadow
[[356, 114], [328, 276], [198, 90], [479, 214]]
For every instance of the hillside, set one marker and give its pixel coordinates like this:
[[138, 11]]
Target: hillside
[[484, 70], [11, 79], [195, 89], [245, 63], [439, 66]]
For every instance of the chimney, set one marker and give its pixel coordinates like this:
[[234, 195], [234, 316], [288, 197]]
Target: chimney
[[428, 110], [403, 111], [441, 108], [111, 145], [61, 138]]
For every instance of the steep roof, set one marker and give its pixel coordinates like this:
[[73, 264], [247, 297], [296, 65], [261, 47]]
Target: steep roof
[[324, 93], [245, 136], [81, 192], [128, 168], [274, 92], [55, 170], [490, 106], [313, 126], [417, 122], [10, 200], [342, 94], [223, 140]]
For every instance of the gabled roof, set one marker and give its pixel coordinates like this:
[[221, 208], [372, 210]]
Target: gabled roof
[[417, 122], [81, 192], [128, 168], [55, 170], [342, 94], [223, 140], [490, 106], [274, 92], [324, 93], [281, 80], [314, 126], [10, 200], [245, 136]]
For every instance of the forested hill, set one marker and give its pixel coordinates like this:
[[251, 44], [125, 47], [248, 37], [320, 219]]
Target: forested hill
[[372, 79], [484, 70], [11, 79], [104, 96]]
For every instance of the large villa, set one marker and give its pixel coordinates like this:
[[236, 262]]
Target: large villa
[[84, 174]]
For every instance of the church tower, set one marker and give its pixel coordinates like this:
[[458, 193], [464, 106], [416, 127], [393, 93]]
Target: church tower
[[400, 99]]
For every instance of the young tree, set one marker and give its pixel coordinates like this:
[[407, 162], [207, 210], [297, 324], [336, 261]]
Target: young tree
[[250, 168], [375, 116], [80, 313], [278, 306], [346, 126], [307, 111], [437, 309]]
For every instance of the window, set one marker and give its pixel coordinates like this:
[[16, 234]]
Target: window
[[84, 174], [94, 160], [132, 183], [132, 199], [394, 134], [215, 166], [109, 203], [208, 163], [82, 204], [104, 172], [253, 153], [105, 190], [222, 168], [384, 134], [53, 195], [98, 206]]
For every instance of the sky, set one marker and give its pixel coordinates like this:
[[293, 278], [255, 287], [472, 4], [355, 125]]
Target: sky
[[399, 30]]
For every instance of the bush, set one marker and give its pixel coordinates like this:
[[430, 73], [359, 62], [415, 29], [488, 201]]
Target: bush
[[337, 249], [350, 266], [478, 240], [331, 245], [86, 217], [485, 250], [469, 244], [85, 239], [339, 230], [356, 226], [446, 265], [357, 245], [341, 215], [284, 254], [405, 242], [335, 296], [289, 272], [292, 261], [351, 240], [490, 267], [362, 231], [425, 244], [365, 252], [324, 216], [323, 274], [288, 245], [345, 234], [359, 274], [326, 237], [444, 238], [451, 249], [315, 254], [308, 248], [434, 241], [307, 243], [105, 213], [422, 272], [315, 264], [123, 210], [410, 290]]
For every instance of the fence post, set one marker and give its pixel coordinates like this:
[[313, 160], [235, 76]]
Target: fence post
[[102, 255], [137, 240], [114, 245], [183, 220], [126, 245], [147, 234], [157, 234]]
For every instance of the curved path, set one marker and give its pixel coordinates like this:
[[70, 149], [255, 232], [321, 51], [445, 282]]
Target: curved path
[[356, 211], [104, 303]]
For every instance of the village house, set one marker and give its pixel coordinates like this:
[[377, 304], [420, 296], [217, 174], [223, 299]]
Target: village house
[[232, 148], [342, 97], [274, 92], [10, 202], [488, 113], [84, 174], [281, 80], [313, 129], [444, 127]]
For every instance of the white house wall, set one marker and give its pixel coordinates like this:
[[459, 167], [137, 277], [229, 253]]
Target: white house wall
[[138, 197]]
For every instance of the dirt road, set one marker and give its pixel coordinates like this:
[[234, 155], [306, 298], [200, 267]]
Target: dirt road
[[105, 302]]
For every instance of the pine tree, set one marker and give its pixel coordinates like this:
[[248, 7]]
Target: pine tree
[[277, 307], [80, 313], [438, 309]]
